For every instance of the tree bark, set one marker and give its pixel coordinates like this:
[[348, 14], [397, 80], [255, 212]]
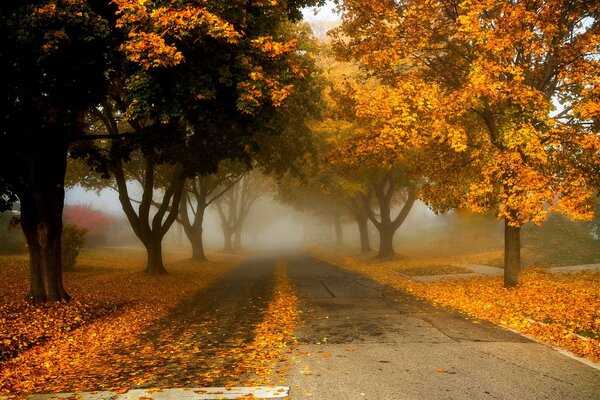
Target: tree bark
[[154, 265], [386, 242], [197, 242], [228, 243], [237, 238], [363, 229], [386, 226], [194, 229], [42, 200], [151, 231], [512, 254], [233, 208]]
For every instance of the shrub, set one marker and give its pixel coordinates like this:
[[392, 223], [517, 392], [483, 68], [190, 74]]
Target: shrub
[[12, 247], [11, 236], [73, 240]]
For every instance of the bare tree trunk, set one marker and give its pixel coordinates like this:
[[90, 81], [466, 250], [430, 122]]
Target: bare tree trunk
[[512, 254], [233, 208], [386, 242], [154, 264], [198, 245], [227, 240], [196, 236], [384, 192], [194, 229], [42, 200], [363, 229], [237, 238], [151, 231]]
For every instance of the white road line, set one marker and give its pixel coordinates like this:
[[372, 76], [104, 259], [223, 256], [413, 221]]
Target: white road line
[[257, 392]]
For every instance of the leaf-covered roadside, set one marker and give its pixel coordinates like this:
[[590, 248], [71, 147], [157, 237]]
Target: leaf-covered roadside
[[559, 309], [273, 337], [65, 347]]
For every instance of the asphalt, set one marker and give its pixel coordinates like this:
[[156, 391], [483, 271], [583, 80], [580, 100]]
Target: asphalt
[[361, 340]]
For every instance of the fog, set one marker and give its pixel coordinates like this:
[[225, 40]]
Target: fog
[[271, 224], [457, 235]]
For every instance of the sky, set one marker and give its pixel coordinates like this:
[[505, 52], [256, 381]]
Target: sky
[[321, 19], [325, 13]]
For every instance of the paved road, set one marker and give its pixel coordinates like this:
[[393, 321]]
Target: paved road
[[369, 342], [358, 340]]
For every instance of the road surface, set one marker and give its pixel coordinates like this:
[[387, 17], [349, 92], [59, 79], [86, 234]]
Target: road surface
[[357, 340], [366, 341]]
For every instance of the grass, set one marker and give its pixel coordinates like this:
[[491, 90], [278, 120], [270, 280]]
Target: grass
[[434, 269], [479, 239]]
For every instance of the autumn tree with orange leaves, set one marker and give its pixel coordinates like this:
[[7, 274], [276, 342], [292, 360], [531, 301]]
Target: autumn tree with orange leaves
[[390, 179], [508, 89], [197, 83]]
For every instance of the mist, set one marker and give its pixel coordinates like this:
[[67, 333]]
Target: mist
[[272, 225]]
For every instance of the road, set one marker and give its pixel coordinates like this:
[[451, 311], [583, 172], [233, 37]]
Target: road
[[362, 340], [357, 340]]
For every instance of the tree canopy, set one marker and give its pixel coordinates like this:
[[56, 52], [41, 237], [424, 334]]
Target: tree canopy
[[510, 84]]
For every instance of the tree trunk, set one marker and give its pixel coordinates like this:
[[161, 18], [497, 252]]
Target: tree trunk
[[363, 230], [154, 264], [339, 231], [384, 190], [512, 254], [386, 242], [237, 239], [194, 229], [228, 245], [42, 200], [198, 245], [152, 233]]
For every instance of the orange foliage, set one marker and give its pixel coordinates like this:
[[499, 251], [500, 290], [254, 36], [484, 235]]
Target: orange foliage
[[153, 32], [484, 78], [158, 37], [119, 334], [273, 334], [562, 310], [75, 346]]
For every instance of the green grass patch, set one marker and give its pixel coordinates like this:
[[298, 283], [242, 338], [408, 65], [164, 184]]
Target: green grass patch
[[588, 333], [434, 270]]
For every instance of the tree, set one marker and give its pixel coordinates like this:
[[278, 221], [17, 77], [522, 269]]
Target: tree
[[233, 208], [316, 184], [201, 192], [196, 86], [95, 222], [495, 70], [390, 177], [278, 147], [361, 215], [151, 229], [86, 217], [387, 186], [52, 70]]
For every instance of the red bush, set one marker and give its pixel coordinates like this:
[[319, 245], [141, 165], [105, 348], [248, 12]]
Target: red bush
[[83, 216]]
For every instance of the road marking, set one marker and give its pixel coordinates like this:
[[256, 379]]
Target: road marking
[[257, 392]]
